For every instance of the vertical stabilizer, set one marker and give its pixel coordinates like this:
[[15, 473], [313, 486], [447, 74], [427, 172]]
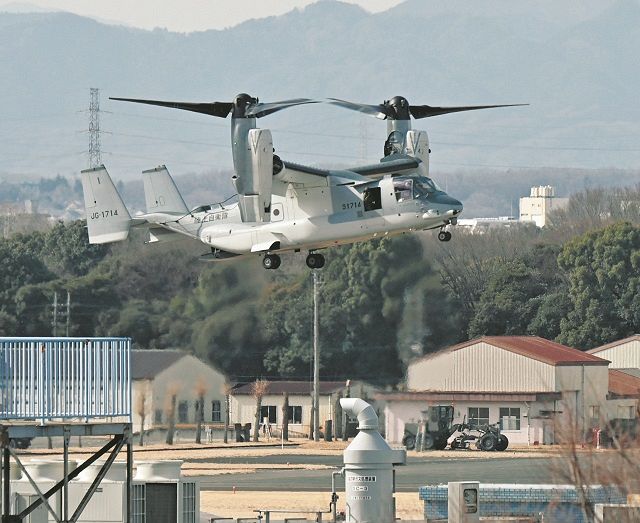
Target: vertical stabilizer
[[161, 193], [107, 217]]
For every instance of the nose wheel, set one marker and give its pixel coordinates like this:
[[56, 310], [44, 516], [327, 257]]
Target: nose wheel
[[315, 261], [271, 261], [444, 236]]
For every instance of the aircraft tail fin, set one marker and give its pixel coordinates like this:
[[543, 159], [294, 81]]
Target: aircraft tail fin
[[107, 217], [161, 193]]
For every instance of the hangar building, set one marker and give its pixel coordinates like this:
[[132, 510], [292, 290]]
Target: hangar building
[[623, 354], [529, 385]]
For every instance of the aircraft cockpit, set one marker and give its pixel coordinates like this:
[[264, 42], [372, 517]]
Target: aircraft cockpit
[[416, 187]]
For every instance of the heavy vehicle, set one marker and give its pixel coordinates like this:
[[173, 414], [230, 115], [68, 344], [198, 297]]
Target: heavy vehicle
[[433, 431], [436, 427]]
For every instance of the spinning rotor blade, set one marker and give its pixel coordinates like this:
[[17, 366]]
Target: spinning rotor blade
[[379, 111], [259, 110], [398, 108], [425, 111], [220, 109]]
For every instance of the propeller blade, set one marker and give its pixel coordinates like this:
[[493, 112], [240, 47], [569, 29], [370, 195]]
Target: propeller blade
[[379, 111], [425, 111], [259, 110], [219, 109]]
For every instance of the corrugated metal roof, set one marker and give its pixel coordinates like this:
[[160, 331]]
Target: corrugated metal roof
[[536, 348], [147, 364], [292, 387], [623, 384], [632, 372], [635, 337]]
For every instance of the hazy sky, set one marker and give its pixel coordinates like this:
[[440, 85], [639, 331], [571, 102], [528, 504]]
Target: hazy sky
[[183, 15]]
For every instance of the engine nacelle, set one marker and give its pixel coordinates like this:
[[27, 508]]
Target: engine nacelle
[[417, 145], [254, 177]]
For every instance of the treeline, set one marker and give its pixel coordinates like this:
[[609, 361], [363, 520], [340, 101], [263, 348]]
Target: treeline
[[381, 303]]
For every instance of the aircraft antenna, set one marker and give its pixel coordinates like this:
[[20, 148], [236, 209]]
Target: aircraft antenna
[[95, 154]]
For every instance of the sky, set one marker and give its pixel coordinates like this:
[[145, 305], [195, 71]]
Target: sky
[[181, 16]]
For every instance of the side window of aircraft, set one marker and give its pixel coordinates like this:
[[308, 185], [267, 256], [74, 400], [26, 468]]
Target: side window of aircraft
[[372, 199], [403, 189]]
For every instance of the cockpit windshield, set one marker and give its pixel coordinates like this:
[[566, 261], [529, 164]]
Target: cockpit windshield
[[414, 187]]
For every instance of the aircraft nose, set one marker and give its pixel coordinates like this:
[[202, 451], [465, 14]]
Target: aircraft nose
[[444, 199]]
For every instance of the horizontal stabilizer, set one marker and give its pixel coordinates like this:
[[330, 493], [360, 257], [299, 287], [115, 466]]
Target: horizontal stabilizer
[[161, 193], [107, 217]]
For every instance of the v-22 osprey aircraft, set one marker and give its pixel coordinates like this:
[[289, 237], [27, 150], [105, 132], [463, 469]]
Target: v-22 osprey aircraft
[[283, 206]]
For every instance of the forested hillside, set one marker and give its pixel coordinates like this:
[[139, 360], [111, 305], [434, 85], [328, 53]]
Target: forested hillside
[[577, 281]]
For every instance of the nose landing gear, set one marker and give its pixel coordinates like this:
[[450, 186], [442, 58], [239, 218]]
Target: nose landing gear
[[315, 261], [444, 236], [271, 261]]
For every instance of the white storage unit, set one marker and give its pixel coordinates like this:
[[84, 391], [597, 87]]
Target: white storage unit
[[159, 494]]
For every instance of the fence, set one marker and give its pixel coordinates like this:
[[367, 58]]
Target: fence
[[59, 378]]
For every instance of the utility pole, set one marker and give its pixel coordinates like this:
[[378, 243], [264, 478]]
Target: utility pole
[[95, 154], [316, 361]]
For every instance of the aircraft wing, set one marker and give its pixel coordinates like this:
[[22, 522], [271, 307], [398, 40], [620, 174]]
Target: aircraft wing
[[293, 172], [378, 170]]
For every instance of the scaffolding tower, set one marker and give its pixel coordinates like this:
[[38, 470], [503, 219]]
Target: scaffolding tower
[[64, 387]]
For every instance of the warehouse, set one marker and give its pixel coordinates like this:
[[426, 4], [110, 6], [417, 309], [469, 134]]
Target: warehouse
[[623, 354], [527, 384]]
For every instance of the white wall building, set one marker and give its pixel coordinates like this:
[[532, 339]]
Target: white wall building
[[243, 403], [157, 375], [623, 354], [525, 383], [536, 207]]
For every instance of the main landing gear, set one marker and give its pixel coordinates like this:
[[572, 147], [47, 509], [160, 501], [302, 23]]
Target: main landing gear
[[271, 261], [315, 261], [444, 236]]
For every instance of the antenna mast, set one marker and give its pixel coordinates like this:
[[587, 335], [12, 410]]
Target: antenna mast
[[95, 155]]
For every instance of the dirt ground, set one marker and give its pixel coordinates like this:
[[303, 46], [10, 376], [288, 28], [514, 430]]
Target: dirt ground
[[242, 504]]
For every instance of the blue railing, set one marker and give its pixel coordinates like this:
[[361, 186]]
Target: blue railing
[[47, 379]]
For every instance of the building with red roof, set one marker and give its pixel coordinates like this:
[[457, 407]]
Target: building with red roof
[[528, 385]]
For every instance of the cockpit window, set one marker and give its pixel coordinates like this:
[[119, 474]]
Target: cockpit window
[[403, 189], [415, 187]]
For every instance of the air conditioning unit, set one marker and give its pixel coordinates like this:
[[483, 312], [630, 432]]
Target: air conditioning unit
[[159, 493]]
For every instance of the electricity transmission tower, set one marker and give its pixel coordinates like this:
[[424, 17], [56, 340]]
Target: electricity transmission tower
[[95, 155]]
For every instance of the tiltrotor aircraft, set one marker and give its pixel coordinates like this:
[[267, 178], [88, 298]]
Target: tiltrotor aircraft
[[283, 206]]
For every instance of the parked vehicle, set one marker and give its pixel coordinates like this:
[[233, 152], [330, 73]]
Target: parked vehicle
[[436, 427]]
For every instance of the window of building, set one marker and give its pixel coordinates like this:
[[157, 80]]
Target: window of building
[[625, 412], [268, 411], [157, 418], [295, 414], [478, 416], [594, 412], [509, 418], [183, 412], [216, 412]]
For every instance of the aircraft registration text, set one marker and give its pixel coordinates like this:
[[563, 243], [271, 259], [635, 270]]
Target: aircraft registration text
[[351, 205], [104, 214]]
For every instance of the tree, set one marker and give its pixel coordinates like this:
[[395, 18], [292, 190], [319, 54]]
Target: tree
[[603, 269], [258, 390]]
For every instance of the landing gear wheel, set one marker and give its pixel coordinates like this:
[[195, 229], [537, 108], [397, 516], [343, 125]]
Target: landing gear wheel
[[271, 261], [315, 261], [488, 442], [444, 236], [503, 443]]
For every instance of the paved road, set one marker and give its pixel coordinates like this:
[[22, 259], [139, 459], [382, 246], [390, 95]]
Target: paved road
[[417, 472]]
